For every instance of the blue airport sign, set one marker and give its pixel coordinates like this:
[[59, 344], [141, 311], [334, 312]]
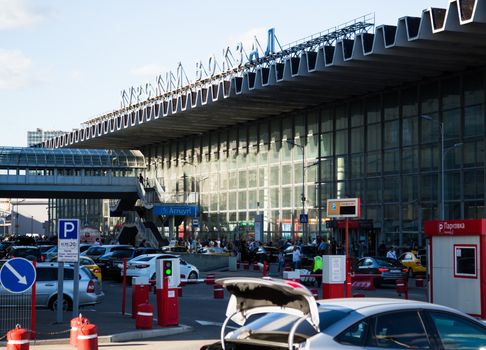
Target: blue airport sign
[[17, 275], [176, 210]]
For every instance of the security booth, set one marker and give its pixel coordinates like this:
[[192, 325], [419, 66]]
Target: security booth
[[456, 249]]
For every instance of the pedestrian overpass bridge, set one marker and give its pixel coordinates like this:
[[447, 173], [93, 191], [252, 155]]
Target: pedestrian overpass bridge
[[70, 173], [95, 174]]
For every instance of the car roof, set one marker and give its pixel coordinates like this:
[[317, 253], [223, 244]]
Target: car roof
[[383, 304]]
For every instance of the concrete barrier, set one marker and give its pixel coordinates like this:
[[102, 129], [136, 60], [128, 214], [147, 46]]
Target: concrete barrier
[[206, 262]]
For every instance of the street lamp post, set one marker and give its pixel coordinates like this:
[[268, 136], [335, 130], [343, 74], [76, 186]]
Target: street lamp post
[[443, 152], [302, 195]]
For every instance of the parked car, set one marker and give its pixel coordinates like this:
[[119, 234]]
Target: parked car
[[4, 247], [413, 263], [87, 262], [213, 251], [44, 248], [95, 252], [111, 263], [266, 253], [51, 253], [307, 254], [384, 270], [144, 265], [90, 291], [27, 252], [291, 318]]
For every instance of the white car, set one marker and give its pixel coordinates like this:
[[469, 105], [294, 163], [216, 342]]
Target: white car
[[293, 319], [144, 266]]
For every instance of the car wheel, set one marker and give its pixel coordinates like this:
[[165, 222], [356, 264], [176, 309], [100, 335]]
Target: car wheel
[[67, 304], [192, 275]]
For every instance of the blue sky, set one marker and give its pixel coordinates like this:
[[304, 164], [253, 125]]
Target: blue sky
[[65, 62]]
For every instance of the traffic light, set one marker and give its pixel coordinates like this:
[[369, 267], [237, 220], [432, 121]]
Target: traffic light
[[167, 268]]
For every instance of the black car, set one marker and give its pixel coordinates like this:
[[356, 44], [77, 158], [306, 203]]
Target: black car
[[28, 252], [110, 263], [4, 247], [266, 253], [384, 270]]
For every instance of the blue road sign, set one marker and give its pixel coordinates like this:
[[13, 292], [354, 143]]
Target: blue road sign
[[68, 228], [304, 218], [17, 275], [195, 222]]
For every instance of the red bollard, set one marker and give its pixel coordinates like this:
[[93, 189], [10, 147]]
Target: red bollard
[[209, 278], [76, 323], [179, 291], [140, 295], [218, 292], [246, 265], [402, 287], [255, 266], [238, 265], [315, 292], [88, 337], [145, 316], [18, 339], [419, 280]]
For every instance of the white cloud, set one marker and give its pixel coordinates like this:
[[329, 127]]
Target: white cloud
[[17, 14], [15, 70], [149, 70]]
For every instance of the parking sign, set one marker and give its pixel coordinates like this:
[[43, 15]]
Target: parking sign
[[68, 240]]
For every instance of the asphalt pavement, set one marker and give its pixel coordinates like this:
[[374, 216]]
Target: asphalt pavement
[[200, 316]]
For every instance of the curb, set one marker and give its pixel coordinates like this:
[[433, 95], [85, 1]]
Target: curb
[[120, 337]]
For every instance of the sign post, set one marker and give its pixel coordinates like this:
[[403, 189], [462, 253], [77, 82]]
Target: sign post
[[68, 251], [344, 208]]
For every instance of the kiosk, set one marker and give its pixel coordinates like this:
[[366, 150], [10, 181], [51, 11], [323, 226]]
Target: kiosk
[[456, 250]]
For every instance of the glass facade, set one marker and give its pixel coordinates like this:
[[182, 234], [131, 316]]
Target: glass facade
[[384, 148]]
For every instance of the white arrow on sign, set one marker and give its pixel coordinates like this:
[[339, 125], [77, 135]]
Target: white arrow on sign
[[22, 279], [209, 323]]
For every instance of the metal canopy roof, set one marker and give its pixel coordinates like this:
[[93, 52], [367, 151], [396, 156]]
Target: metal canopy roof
[[442, 40]]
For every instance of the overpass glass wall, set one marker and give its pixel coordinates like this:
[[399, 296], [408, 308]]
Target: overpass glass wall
[[18, 161], [384, 148]]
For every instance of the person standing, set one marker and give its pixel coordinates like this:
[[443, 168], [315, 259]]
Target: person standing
[[296, 257], [317, 269], [391, 254]]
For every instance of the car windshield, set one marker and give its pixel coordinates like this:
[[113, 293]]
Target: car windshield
[[23, 252], [122, 253], [96, 251], [143, 258]]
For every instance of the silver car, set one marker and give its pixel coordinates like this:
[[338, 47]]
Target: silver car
[[90, 291], [293, 319]]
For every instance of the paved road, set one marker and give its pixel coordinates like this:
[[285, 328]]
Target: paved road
[[196, 304]]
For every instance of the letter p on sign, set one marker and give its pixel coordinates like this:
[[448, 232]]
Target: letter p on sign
[[68, 228]]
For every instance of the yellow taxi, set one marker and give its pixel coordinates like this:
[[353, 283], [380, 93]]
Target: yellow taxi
[[90, 265], [87, 262], [413, 262]]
